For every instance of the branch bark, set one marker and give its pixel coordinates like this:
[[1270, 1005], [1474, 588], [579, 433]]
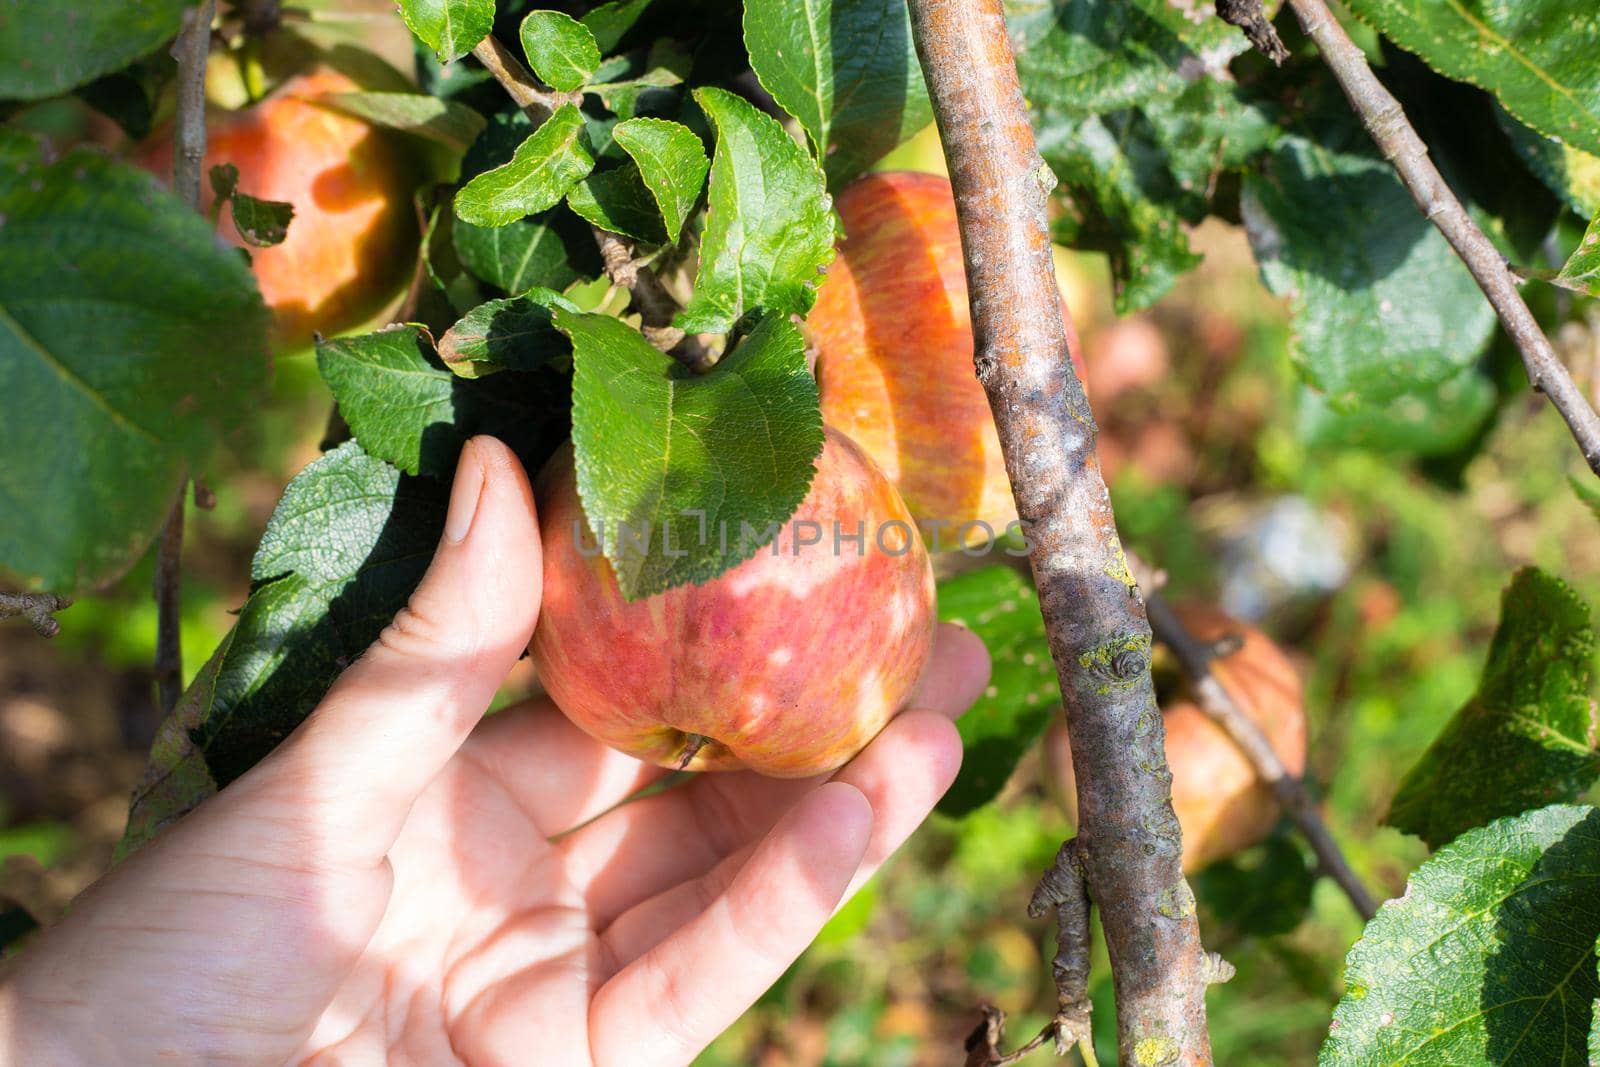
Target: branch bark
[[1386, 121], [650, 298], [1195, 658], [38, 608], [1128, 837], [191, 50]]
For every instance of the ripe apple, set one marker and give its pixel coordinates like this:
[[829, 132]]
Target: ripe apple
[[787, 664], [893, 339], [1221, 804], [350, 245]]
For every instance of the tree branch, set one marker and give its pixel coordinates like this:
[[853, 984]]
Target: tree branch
[[191, 49], [38, 608], [1387, 123], [1218, 704], [1128, 837]]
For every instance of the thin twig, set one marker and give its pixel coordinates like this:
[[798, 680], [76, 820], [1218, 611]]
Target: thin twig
[[165, 586], [191, 49], [1064, 889], [654, 304], [1128, 840], [539, 103], [1251, 18], [1194, 656], [1386, 121], [38, 608]]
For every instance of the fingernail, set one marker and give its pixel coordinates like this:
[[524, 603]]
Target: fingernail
[[464, 494]]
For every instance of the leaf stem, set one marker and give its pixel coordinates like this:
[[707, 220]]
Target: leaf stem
[[655, 305], [1386, 121], [1128, 839]]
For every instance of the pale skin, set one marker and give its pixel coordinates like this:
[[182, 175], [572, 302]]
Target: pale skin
[[402, 883]]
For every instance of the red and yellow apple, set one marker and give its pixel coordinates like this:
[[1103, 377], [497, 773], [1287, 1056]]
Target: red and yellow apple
[[893, 338], [1222, 806], [787, 664], [350, 246]]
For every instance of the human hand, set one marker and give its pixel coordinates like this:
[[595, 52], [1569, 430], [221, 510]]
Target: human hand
[[398, 883]]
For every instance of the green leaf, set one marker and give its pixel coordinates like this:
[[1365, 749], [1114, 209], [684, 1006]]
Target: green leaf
[[446, 122], [1536, 56], [405, 407], [1589, 494], [1137, 119], [609, 21], [560, 49], [660, 447], [1488, 958], [1438, 421], [665, 67], [1571, 173], [1264, 891], [847, 69], [262, 223], [539, 174], [1528, 737], [450, 27], [617, 200], [1581, 272], [131, 96], [512, 334], [551, 251], [342, 552], [47, 48], [1091, 57], [672, 164], [769, 230], [1594, 1024], [1381, 305], [998, 605], [125, 329]]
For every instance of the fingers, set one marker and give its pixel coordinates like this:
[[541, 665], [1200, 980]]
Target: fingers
[[903, 773], [682, 833], [956, 674], [397, 715], [666, 1006]]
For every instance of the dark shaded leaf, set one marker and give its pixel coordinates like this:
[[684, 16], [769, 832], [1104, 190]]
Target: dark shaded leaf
[[1528, 737], [998, 605]]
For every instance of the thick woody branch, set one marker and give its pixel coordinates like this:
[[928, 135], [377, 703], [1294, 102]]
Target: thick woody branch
[[1128, 838], [38, 608], [654, 304], [1194, 657], [191, 50], [1387, 123]]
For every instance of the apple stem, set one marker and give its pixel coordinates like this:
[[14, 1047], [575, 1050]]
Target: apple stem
[[692, 745]]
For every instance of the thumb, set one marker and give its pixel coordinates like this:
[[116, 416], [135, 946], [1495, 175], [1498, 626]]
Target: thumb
[[399, 713]]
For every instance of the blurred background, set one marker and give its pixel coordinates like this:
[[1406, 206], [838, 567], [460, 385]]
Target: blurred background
[[1379, 571]]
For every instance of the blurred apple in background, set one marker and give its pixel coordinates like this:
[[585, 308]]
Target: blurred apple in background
[[892, 334], [1222, 806]]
